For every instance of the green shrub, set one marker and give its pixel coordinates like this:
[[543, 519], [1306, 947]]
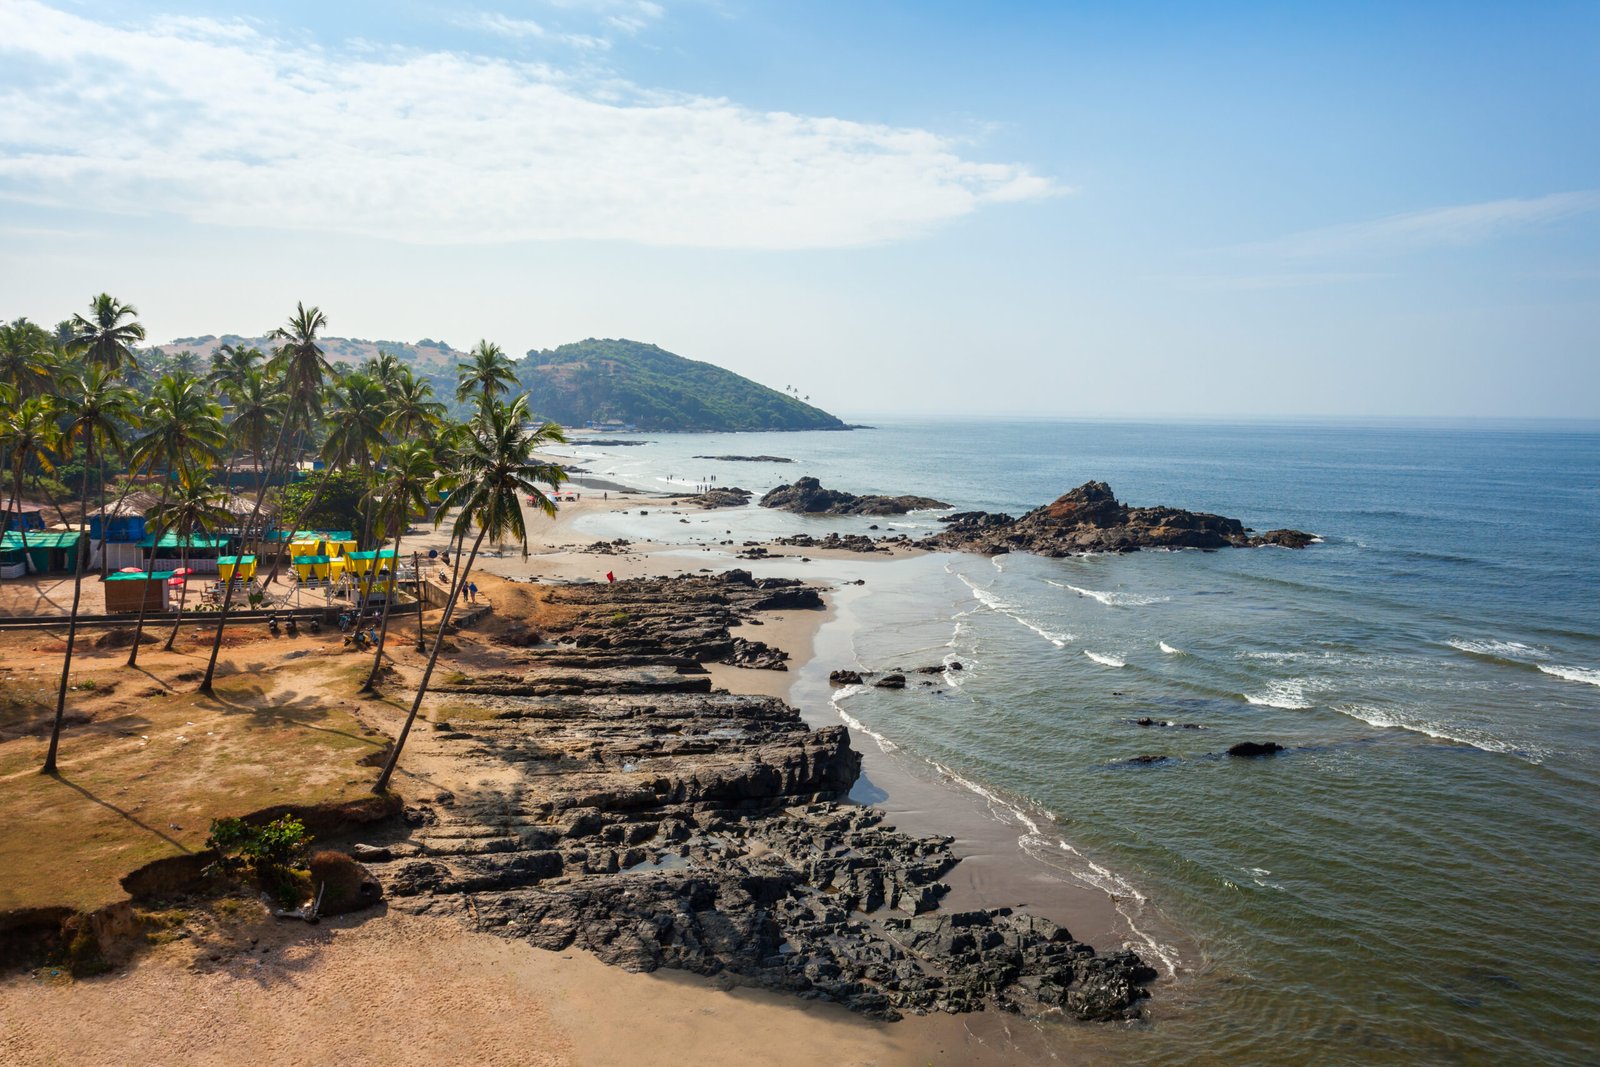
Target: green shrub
[[269, 852]]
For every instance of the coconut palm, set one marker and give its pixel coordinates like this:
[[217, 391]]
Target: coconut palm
[[95, 409], [195, 506], [25, 357], [183, 432], [107, 336], [28, 433], [485, 373], [356, 414], [496, 471], [298, 362], [255, 406], [230, 364], [413, 413], [386, 368], [401, 494]]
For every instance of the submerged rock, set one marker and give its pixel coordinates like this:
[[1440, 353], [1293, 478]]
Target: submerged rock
[[1255, 748]]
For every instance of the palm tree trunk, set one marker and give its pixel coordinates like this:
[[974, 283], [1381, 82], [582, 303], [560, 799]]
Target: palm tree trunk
[[277, 555], [149, 576], [227, 589], [381, 786], [183, 565], [72, 635], [371, 684], [27, 561]]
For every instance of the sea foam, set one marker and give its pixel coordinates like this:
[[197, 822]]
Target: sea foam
[[1105, 660], [1291, 694], [1397, 719], [1004, 607], [1586, 675], [1112, 599], [1515, 650]]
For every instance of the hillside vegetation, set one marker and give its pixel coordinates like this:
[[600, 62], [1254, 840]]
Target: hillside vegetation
[[648, 387]]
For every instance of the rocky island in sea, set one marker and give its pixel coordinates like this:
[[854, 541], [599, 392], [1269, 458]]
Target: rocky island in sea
[[1091, 519]]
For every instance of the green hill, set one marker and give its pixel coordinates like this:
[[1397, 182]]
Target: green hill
[[650, 388]]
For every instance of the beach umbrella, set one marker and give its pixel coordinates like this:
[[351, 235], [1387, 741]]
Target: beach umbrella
[[181, 571], [175, 581], [131, 570]]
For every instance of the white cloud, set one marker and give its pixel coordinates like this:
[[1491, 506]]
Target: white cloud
[[219, 122], [1455, 226]]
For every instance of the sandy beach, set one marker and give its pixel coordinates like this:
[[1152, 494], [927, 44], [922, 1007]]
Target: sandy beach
[[428, 990]]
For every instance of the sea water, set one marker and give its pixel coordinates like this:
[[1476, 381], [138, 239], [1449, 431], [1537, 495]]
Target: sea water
[[1417, 878]]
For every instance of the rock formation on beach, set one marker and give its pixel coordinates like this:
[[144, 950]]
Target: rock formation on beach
[[723, 496], [806, 496], [1092, 519], [629, 809]]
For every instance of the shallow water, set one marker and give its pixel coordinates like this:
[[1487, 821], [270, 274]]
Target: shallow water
[[1417, 878]]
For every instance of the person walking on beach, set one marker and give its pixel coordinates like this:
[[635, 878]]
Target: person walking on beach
[[610, 577]]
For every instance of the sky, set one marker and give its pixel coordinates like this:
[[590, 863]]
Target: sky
[[1036, 209]]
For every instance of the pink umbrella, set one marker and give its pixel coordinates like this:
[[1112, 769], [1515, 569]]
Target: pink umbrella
[[180, 571], [131, 570], [174, 581]]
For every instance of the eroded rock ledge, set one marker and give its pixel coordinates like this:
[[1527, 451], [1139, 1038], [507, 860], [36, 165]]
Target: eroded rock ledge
[[1092, 519], [626, 808]]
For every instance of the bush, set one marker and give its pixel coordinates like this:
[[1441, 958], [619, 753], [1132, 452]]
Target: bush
[[269, 852]]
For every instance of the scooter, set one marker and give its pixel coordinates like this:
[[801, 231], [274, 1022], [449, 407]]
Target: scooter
[[293, 627], [272, 625]]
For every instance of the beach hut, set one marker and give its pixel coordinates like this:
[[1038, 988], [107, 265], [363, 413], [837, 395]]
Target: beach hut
[[129, 591], [305, 546], [22, 515], [309, 567], [47, 551], [116, 529], [338, 543], [226, 565], [169, 552]]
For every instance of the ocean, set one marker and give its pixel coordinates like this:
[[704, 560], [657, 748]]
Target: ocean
[[1417, 878]]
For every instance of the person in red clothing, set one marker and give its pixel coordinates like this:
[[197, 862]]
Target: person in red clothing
[[610, 577]]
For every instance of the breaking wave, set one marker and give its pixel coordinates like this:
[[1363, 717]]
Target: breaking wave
[[1113, 599], [1586, 675], [1105, 660]]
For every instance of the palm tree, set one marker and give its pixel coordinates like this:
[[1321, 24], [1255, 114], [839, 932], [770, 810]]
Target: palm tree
[[96, 409], [231, 363], [400, 495], [299, 363], [182, 432], [256, 405], [486, 373], [25, 351], [355, 418], [104, 338], [496, 471], [196, 506], [28, 432], [413, 413], [386, 368]]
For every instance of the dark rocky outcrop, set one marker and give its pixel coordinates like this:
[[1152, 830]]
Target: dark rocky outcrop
[[845, 542], [807, 497], [891, 681], [1092, 519], [730, 496], [748, 459], [844, 677], [659, 825], [1255, 748]]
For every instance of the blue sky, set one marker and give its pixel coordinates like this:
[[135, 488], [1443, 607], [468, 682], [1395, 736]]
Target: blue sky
[[1036, 209]]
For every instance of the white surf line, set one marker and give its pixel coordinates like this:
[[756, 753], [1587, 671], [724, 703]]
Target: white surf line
[[1100, 878]]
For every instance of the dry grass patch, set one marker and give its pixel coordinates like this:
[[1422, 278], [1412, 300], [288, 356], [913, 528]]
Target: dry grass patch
[[144, 776]]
